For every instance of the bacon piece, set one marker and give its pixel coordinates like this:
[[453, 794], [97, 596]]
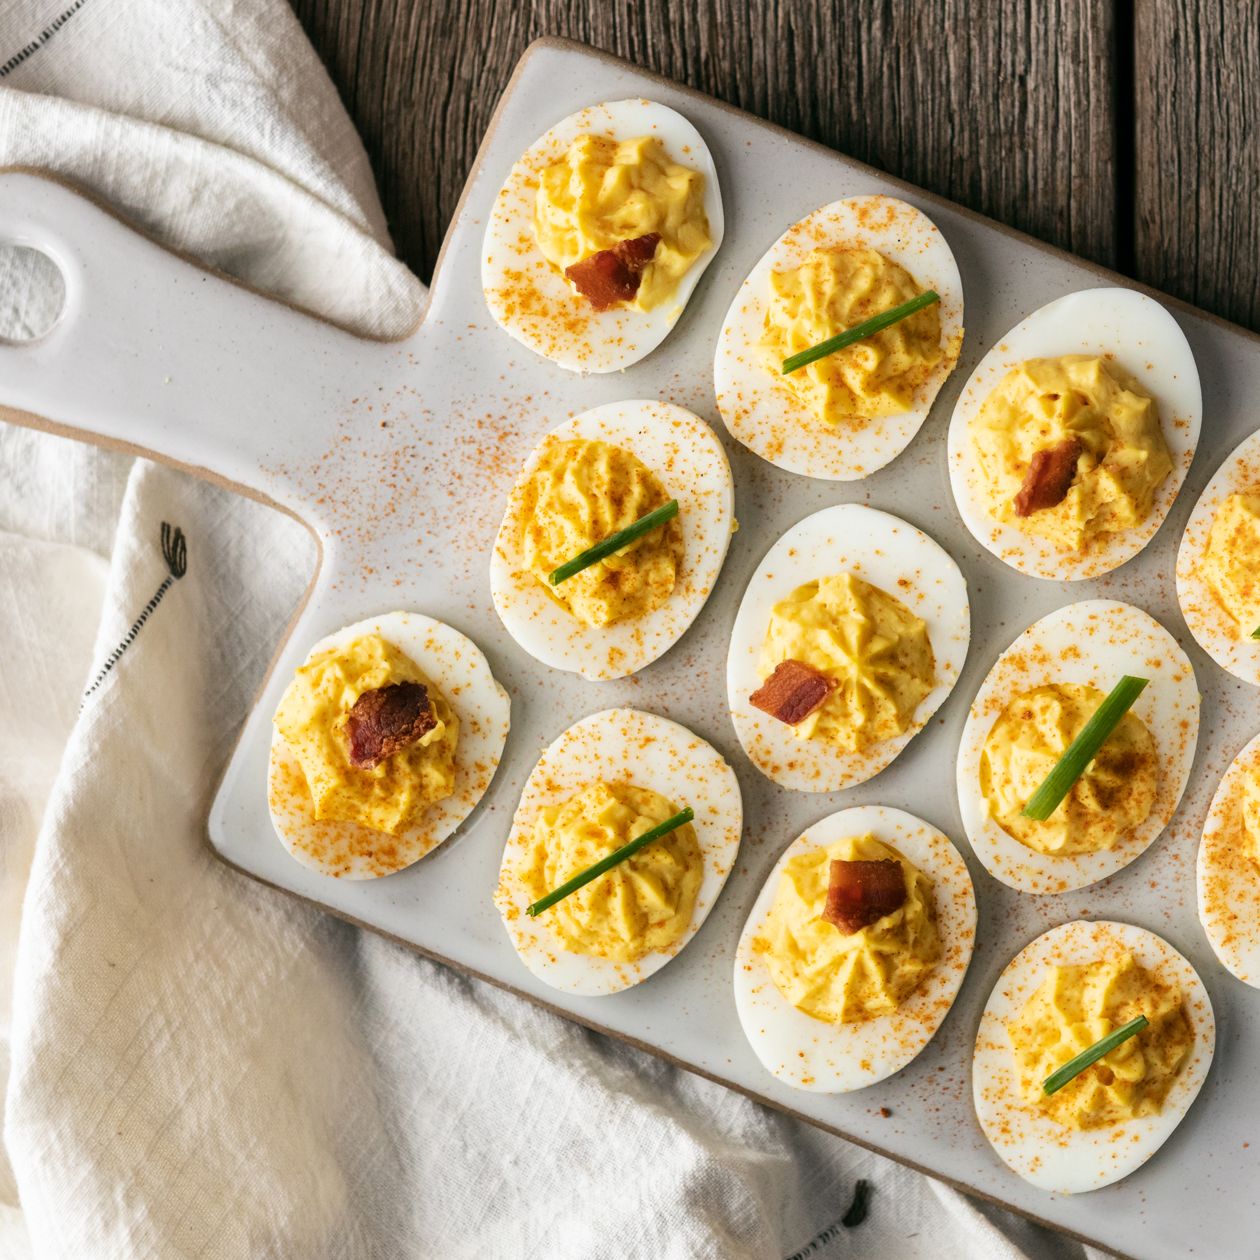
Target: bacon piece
[[613, 275], [861, 893], [1050, 477], [792, 692], [386, 720]]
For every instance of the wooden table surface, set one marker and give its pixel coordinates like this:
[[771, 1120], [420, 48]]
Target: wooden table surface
[[1123, 130]]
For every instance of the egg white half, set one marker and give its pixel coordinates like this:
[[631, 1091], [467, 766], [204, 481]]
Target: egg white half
[[1038, 1148], [1215, 630], [759, 407], [1146, 341], [1094, 642], [532, 301], [687, 457], [349, 850], [888, 553], [1228, 881], [809, 1054], [620, 746]]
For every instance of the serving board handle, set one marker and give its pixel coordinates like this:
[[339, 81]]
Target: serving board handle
[[154, 353]]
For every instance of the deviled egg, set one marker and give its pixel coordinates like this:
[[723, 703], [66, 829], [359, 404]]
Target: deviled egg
[[386, 738], [1229, 868], [588, 478], [609, 779], [1218, 565], [1036, 700], [1071, 439], [1059, 996], [849, 637], [855, 949], [847, 414], [601, 233]]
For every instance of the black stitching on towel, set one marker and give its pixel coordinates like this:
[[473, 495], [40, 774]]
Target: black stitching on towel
[[41, 39], [175, 553]]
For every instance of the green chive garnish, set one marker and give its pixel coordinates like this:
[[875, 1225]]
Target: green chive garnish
[[1074, 1067], [859, 332], [1255, 634], [1084, 748], [613, 859], [614, 542]]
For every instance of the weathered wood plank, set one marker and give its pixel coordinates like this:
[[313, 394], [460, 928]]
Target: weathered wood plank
[[1197, 144], [1004, 105]]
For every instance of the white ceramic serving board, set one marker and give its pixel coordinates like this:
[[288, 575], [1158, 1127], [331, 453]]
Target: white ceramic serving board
[[400, 457]]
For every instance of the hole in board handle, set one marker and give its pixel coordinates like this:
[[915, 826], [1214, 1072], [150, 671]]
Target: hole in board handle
[[32, 294]]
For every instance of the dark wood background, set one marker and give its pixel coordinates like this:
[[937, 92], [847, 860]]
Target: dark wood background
[[1123, 130]]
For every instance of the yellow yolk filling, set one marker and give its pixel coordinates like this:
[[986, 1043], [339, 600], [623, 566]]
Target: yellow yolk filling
[[1231, 560], [830, 292], [644, 904], [1044, 402], [311, 718], [869, 642], [580, 493], [604, 191], [841, 978], [1114, 795], [1077, 1006]]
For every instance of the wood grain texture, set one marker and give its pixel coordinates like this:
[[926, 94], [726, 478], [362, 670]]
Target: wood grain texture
[[1197, 176], [1004, 105]]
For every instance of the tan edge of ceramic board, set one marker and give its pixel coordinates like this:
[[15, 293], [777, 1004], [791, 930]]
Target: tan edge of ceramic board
[[647, 1047], [31, 421], [1046, 251]]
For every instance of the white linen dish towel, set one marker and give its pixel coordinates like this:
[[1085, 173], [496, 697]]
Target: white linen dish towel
[[199, 1066]]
